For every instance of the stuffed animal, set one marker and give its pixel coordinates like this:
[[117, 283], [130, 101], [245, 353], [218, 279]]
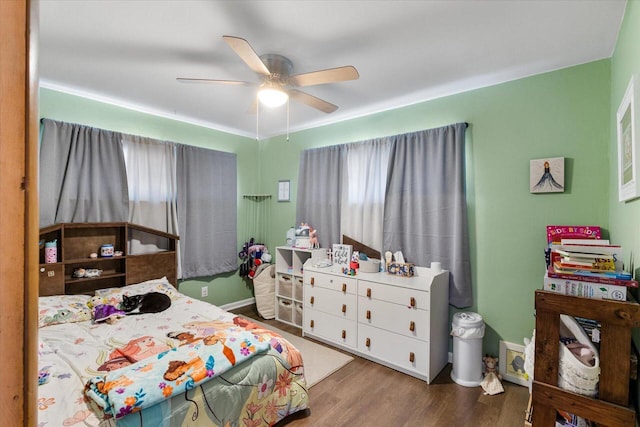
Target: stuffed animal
[[95, 301], [313, 238], [103, 312], [491, 365], [107, 313], [491, 382]]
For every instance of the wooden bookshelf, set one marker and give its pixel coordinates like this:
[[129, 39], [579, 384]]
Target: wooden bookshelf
[[611, 408], [75, 241]]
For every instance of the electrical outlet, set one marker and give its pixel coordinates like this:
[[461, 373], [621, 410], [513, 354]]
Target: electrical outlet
[[204, 292]]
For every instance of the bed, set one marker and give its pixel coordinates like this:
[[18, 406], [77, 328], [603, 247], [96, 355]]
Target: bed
[[192, 364]]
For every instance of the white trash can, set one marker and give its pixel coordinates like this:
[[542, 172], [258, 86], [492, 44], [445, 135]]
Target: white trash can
[[467, 330]]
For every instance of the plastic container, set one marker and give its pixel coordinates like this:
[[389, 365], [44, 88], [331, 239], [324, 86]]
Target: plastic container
[[51, 252], [467, 330], [370, 265], [106, 250]]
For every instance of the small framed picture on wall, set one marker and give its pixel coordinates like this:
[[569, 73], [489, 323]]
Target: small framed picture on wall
[[546, 175], [284, 190]]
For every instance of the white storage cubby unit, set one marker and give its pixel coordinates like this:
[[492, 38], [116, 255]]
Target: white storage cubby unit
[[400, 322], [289, 280]]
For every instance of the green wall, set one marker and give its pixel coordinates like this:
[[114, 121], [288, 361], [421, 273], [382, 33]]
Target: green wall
[[223, 289], [558, 114], [624, 216]]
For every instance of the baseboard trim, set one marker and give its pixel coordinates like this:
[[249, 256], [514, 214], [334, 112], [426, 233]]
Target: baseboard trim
[[238, 304]]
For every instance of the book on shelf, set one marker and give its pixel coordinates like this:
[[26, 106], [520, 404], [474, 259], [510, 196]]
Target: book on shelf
[[580, 288], [578, 270], [605, 264], [570, 252], [601, 265], [594, 279], [555, 233]]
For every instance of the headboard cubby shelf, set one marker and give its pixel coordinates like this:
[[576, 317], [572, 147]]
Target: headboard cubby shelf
[[76, 241]]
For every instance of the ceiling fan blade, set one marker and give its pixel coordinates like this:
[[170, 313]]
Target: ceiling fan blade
[[312, 101], [214, 81], [331, 75], [247, 54]]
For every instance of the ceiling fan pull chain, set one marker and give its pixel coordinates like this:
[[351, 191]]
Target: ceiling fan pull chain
[[258, 121], [287, 119]]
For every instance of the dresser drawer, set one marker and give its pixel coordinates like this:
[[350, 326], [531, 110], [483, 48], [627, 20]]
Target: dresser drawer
[[332, 302], [404, 352], [402, 296], [394, 318], [344, 284], [332, 328]]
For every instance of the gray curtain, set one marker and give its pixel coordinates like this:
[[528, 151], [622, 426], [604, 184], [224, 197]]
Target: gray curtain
[[425, 204], [207, 210], [320, 178], [82, 174]]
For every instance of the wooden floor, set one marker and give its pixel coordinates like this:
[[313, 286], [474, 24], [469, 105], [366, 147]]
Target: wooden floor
[[364, 393]]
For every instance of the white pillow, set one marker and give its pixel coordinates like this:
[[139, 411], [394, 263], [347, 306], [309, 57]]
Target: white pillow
[[56, 309]]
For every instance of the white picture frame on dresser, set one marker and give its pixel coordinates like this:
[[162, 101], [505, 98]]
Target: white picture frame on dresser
[[399, 322]]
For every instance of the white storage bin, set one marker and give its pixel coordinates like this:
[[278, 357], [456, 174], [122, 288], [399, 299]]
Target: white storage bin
[[297, 313], [297, 288], [285, 286], [285, 310]]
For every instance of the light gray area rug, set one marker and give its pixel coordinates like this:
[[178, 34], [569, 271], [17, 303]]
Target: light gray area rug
[[319, 361]]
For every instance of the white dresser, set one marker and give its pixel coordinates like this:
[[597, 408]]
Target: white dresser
[[399, 322]]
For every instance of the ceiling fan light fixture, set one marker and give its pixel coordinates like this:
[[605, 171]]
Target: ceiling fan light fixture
[[272, 97]]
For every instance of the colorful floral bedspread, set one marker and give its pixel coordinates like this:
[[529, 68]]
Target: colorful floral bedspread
[[234, 372], [154, 379]]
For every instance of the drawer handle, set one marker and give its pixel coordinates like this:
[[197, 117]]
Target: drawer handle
[[344, 288], [344, 334], [412, 326], [311, 300], [311, 324], [344, 308], [368, 342], [368, 292], [368, 315], [313, 281], [413, 302], [412, 357]]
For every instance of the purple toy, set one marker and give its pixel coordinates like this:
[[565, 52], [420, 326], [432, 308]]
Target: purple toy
[[107, 313]]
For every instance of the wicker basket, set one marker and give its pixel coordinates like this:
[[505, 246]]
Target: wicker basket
[[573, 375]]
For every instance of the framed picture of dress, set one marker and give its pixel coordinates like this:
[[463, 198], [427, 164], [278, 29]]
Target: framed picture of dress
[[627, 119], [546, 175]]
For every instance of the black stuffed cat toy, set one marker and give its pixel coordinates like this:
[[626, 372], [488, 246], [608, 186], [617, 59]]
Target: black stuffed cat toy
[[152, 302]]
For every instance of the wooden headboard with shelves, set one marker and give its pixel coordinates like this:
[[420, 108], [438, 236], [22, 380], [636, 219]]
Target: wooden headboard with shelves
[[76, 242]]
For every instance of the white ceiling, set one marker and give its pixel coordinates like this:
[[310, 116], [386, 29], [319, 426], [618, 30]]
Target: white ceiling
[[130, 52]]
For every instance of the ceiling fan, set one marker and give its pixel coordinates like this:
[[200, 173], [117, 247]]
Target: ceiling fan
[[278, 84]]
